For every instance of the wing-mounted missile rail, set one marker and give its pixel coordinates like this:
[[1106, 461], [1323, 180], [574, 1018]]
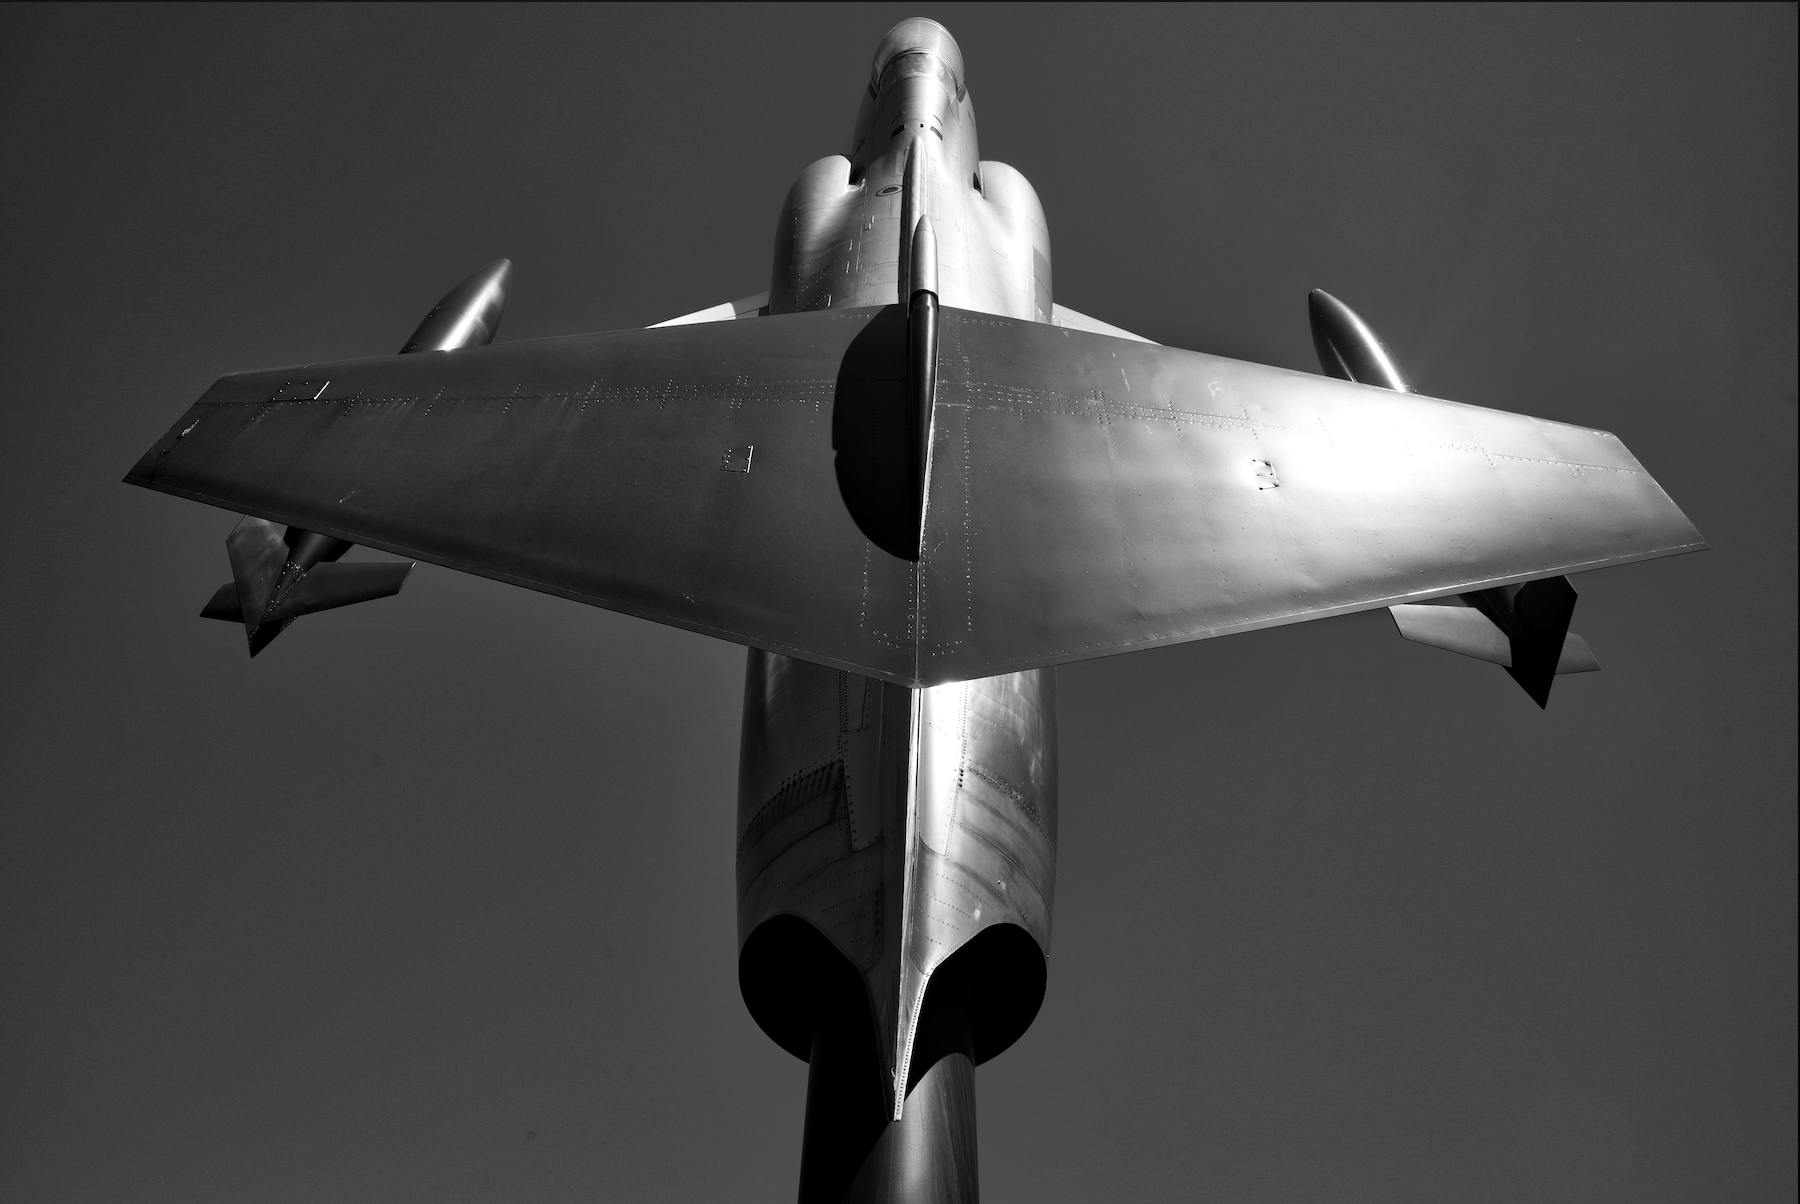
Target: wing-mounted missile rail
[[1524, 627], [278, 576]]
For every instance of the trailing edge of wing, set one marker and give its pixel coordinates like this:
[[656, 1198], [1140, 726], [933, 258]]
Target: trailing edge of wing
[[1089, 494]]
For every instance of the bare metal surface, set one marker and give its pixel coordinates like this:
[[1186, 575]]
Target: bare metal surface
[[924, 273], [258, 554], [1100, 477], [1520, 626], [726, 311], [983, 831], [469, 315], [274, 586], [1088, 495], [1348, 348], [844, 230], [821, 812], [899, 823], [944, 824], [1062, 315], [1463, 629], [921, 359], [929, 1154], [910, 487], [325, 587]]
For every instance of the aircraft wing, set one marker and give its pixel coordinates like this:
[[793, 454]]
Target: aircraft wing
[[1062, 315], [1087, 495], [725, 311]]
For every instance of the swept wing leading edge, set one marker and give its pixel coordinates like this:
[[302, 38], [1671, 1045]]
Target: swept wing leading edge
[[1089, 494]]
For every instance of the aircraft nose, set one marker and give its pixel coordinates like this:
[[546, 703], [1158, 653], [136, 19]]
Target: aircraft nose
[[918, 46]]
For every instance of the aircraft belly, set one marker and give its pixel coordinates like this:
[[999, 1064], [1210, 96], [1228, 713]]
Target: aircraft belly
[[900, 824]]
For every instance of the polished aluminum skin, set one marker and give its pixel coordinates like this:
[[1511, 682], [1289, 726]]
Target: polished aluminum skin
[[844, 235], [1524, 628], [1348, 347], [901, 824], [911, 483], [1088, 495], [951, 793], [469, 315], [278, 577]]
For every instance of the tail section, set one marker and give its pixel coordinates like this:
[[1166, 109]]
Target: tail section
[[1457, 625]]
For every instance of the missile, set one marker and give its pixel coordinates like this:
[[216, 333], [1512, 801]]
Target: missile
[[279, 576], [1348, 347], [1523, 628], [469, 314]]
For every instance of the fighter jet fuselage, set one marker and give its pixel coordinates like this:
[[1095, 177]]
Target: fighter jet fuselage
[[900, 825]]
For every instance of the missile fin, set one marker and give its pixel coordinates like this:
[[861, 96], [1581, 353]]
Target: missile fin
[[224, 604], [258, 554], [1455, 626], [1527, 627], [332, 585], [1541, 611]]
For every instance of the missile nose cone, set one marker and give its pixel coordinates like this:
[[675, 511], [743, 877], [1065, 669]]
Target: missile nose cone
[[469, 315], [1348, 347], [1320, 304]]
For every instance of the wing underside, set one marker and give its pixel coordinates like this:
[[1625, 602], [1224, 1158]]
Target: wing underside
[[1088, 495]]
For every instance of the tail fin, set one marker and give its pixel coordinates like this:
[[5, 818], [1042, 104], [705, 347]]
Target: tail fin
[[333, 585], [324, 587], [276, 579], [1455, 626], [1524, 628]]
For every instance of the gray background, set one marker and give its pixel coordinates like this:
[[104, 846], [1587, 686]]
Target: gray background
[[433, 902]]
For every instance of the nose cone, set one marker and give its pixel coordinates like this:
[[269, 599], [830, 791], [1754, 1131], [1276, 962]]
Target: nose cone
[[469, 315], [1348, 347], [918, 35]]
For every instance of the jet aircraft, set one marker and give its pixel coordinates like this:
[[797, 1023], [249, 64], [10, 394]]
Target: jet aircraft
[[910, 483]]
